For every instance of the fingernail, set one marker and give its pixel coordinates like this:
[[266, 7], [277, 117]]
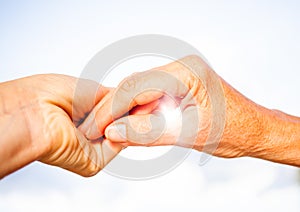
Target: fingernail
[[93, 131], [117, 132]]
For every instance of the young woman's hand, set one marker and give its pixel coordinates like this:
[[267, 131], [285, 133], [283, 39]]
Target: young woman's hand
[[40, 116]]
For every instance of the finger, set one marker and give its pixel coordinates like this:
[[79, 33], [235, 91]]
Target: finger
[[145, 109], [87, 94], [145, 130], [168, 103], [164, 104], [174, 128], [139, 89], [91, 116]]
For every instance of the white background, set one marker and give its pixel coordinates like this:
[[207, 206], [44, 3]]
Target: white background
[[254, 45]]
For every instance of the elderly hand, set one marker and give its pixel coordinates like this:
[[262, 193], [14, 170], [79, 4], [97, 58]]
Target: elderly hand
[[215, 117], [39, 120]]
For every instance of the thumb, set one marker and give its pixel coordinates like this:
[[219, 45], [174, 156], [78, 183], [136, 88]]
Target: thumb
[[144, 130]]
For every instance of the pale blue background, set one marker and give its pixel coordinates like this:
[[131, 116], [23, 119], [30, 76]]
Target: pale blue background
[[254, 45]]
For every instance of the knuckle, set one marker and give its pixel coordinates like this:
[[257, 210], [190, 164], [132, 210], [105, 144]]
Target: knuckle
[[193, 57], [130, 82], [143, 127]]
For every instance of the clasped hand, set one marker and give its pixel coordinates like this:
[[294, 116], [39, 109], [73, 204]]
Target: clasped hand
[[80, 125]]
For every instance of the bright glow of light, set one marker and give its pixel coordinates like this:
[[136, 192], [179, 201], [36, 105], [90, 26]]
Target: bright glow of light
[[173, 123], [173, 118]]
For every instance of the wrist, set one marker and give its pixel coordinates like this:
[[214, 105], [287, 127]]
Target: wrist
[[17, 146]]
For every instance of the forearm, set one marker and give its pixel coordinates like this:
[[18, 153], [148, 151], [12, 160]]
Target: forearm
[[281, 140], [260, 132]]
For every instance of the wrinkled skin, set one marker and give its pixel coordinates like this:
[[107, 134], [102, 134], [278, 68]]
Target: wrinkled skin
[[249, 130]]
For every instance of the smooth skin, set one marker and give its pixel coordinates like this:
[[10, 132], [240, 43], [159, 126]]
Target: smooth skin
[[39, 119], [250, 129]]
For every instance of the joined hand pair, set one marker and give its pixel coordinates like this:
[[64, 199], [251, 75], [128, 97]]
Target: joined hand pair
[[80, 125]]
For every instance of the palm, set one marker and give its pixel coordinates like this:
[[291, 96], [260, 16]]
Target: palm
[[63, 104]]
